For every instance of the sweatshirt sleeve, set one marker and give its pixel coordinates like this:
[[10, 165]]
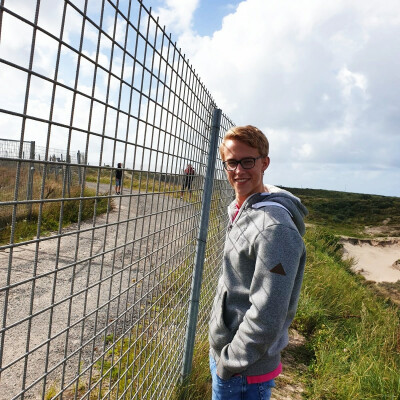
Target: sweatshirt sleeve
[[273, 295]]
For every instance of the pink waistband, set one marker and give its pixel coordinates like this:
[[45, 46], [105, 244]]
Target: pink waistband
[[266, 377]]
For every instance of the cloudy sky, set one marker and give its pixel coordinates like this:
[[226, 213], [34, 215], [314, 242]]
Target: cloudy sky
[[320, 78]]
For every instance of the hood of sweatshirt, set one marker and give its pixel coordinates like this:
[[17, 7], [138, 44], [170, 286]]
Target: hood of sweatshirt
[[275, 197]]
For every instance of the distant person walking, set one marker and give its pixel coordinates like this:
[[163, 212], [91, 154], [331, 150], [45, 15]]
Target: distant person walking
[[187, 183], [262, 272], [118, 178]]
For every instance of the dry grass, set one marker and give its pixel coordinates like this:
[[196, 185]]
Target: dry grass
[[62, 211]]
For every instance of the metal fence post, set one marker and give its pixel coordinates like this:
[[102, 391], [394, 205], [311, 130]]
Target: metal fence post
[[201, 247], [31, 171], [68, 174], [78, 161]]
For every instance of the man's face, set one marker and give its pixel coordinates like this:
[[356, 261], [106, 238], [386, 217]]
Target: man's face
[[245, 182]]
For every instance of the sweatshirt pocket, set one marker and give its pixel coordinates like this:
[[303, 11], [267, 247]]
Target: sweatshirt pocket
[[219, 334]]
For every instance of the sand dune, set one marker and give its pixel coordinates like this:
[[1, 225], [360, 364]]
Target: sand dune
[[375, 259]]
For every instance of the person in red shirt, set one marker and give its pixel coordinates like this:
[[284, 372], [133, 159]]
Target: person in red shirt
[[187, 183]]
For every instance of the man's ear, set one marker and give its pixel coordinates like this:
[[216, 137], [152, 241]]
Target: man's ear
[[265, 162]]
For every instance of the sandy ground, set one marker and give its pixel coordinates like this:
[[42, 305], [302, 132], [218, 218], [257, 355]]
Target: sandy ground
[[375, 259]]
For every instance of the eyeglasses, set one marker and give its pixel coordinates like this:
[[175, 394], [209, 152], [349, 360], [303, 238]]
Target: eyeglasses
[[246, 163]]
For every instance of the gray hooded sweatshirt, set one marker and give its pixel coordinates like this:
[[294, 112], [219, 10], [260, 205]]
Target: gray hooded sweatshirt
[[259, 288]]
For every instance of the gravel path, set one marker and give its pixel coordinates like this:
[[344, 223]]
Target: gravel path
[[82, 284]]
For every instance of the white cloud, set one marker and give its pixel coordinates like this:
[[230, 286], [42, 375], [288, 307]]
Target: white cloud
[[177, 15], [351, 80], [320, 78]]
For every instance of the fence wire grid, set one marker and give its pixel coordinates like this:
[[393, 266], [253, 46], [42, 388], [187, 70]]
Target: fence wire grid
[[95, 286]]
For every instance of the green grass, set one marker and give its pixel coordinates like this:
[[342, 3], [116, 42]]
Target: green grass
[[348, 214], [113, 372], [27, 218], [26, 228], [127, 358], [198, 386], [353, 334]]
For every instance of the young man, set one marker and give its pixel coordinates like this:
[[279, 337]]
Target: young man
[[262, 272]]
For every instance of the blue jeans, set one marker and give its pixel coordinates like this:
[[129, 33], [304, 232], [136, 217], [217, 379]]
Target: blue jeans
[[237, 388]]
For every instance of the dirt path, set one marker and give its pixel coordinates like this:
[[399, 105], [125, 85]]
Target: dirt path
[[79, 289], [288, 385]]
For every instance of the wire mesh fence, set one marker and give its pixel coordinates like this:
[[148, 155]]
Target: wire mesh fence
[[31, 173], [11, 148], [95, 287]]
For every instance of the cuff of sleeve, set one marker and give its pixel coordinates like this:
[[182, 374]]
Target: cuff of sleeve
[[222, 372]]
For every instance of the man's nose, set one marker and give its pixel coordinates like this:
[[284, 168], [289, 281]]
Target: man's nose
[[241, 168]]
